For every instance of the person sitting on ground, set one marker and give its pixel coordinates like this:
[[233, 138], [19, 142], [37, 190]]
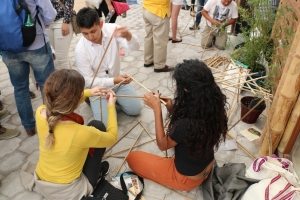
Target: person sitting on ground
[[218, 14], [200, 4], [195, 129], [90, 51], [66, 168]]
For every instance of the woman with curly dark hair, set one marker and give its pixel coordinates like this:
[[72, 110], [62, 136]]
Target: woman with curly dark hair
[[198, 122]]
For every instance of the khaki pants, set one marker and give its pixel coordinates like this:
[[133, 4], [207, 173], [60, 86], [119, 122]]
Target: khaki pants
[[156, 39], [209, 34]]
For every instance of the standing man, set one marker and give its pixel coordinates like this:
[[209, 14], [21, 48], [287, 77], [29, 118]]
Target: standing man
[[38, 55], [218, 14], [200, 4], [89, 52], [156, 15]]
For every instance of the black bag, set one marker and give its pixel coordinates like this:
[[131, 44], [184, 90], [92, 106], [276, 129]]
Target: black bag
[[105, 190]]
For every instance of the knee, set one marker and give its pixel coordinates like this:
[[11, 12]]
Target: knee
[[134, 109], [97, 124]]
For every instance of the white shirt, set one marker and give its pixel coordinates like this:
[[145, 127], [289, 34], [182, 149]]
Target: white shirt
[[88, 56], [218, 11]]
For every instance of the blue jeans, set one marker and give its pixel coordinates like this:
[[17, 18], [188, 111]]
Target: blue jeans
[[18, 64], [130, 106], [200, 5]]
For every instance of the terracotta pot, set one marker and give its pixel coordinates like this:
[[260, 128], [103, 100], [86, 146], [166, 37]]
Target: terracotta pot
[[247, 103]]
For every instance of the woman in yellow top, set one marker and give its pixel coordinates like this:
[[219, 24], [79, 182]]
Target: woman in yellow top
[[67, 168]]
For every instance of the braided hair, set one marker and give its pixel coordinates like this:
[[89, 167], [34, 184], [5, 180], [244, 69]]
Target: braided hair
[[201, 104], [63, 91]]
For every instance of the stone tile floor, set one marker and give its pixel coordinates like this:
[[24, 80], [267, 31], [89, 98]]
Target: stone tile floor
[[14, 153]]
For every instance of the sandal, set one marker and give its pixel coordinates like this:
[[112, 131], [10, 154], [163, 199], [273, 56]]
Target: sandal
[[176, 40]]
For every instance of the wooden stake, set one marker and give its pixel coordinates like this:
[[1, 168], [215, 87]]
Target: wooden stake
[[243, 148]]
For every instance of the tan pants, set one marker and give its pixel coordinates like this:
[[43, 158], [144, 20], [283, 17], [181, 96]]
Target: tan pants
[[209, 34], [156, 39], [163, 171]]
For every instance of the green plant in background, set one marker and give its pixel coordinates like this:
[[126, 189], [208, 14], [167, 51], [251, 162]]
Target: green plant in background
[[259, 17]]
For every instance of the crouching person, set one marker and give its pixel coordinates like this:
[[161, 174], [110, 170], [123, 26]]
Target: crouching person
[[67, 167]]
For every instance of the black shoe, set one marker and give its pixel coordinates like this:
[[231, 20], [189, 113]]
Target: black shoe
[[30, 131], [148, 65], [194, 27], [31, 94], [185, 7], [104, 168], [165, 69]]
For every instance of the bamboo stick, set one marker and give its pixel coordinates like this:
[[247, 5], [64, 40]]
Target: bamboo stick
[[124, 135], [148, 133], [105, 51], [246, 114], [162, 101], [137, 139], [243, 148], [124, 150]]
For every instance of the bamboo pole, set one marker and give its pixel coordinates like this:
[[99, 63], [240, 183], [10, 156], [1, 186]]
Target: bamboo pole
[[292, 130], [242, 147], [124, 150], [105, 51], [285, 97], [124, 135], [137, 139]]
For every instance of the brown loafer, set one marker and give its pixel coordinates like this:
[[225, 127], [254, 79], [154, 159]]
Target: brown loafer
[[165, 69]]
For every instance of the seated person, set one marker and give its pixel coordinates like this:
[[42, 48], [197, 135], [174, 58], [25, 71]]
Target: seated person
[[195, 130], [66, 169], [218, 14], [89, 52]]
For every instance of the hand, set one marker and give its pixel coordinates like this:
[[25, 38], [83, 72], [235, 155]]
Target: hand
[[169, 103], [111, 97], [215, 22], [65, 29], [125, 79], [152, 100], [123, 32], [98, 91]]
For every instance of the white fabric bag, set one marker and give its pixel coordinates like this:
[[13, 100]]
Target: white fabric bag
[[269, 167], [279, 180], [277, 188]]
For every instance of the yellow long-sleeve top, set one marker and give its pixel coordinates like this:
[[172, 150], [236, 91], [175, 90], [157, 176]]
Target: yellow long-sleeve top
[[160, 8], [63, 162]]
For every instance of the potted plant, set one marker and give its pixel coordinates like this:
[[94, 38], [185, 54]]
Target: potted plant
[[254, 105], [259, 17]]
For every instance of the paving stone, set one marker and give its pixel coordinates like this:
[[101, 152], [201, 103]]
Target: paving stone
[[29, 145], [12, 162], [11, 185], [2, 197], [8, 146], [28, 195]]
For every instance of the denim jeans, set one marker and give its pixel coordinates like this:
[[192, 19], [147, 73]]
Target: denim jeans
[[130, 106], [200, 5], [18, 64]]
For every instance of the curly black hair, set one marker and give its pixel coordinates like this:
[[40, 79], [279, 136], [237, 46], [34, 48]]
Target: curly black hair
[[201, 104]]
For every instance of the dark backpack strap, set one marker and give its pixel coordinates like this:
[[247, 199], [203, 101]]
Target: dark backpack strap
[[124, 188], [40, 23]]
